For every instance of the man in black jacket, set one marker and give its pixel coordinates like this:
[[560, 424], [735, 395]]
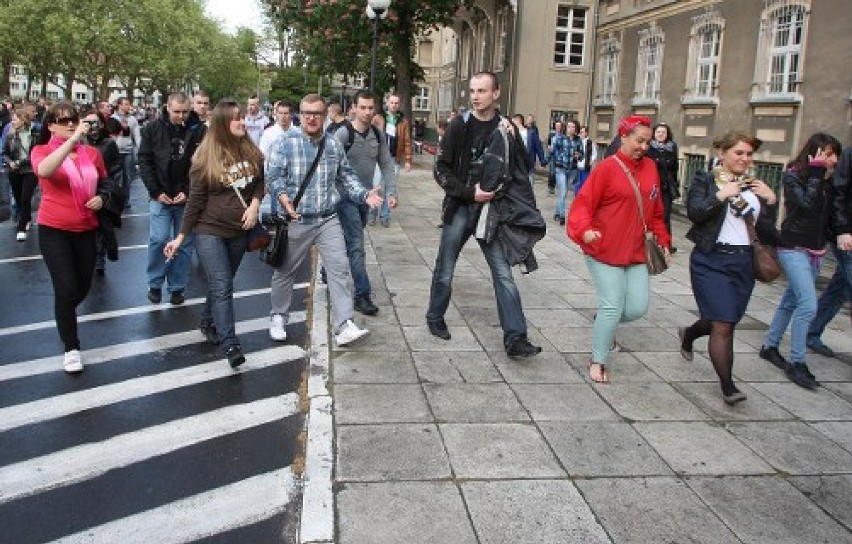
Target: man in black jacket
[[459, 171], [164, 160]]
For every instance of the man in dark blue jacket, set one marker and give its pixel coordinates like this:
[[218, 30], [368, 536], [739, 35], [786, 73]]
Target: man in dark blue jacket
[[534, 147]]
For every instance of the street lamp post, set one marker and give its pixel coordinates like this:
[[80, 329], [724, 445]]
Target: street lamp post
[[376, 9]]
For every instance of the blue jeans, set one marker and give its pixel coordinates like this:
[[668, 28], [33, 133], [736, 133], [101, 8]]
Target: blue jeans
[[798, 304], [127, 175], [164, 224], [838, 291], [624, 294], [564, 177], [220, 258], [353, 219], [453, 237], [383, 212]]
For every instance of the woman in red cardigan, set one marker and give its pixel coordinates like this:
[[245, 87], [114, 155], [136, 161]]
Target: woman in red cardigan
[[68, 174], [605, 221]]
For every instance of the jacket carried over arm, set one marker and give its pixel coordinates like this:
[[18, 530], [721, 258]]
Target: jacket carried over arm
[[707, 214]]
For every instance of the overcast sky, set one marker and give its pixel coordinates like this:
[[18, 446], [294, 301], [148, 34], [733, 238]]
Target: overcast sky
[[235, 13]]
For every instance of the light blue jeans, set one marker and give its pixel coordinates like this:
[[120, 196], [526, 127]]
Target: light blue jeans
[[799, 303], [623, 295], [564, 178], [164, 224]]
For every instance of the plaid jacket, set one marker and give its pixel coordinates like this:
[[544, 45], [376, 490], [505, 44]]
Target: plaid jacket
[[289, 160]]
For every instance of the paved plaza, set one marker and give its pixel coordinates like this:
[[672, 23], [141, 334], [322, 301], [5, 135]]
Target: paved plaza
[[452, 442]]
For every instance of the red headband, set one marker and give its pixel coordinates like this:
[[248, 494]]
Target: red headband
[[630, 122]]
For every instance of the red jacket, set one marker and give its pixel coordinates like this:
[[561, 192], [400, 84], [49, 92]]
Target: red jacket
[[607, 203]]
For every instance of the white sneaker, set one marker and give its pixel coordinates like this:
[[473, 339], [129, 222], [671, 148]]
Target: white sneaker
[[277, 328], [348, 333], [21, 236], [73, 361], [29, 224]]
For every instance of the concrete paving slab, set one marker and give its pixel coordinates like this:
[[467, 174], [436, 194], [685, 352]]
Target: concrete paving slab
[[768, 510], [474, 403], [671, 367], [818, 405], [751, 368], [793, 447], [563, 402], [415, 316], [455, 367], [700, 448], [649, 402], [531, 511], [829, 369], [420, 339], [498, 450], [416, 298], [390, 452], [648, 339], [570, 340], [652, 511], [379, 403], [708, 397], [374, 367], [409, 512], [382, 337], [492, 337], [546, 367], [603, 448], [832, 493], [840, 432]]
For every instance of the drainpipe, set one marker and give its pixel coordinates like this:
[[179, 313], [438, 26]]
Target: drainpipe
[[515, 58], [594, 67]]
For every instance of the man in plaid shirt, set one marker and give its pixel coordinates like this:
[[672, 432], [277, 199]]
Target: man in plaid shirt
[[314, 220]]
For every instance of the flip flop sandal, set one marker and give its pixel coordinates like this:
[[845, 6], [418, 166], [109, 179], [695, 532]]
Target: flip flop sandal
[[600, 376]]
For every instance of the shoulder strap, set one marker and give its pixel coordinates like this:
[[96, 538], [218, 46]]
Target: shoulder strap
[[310, 173], [350, 133], [635, 185], [379, 136]]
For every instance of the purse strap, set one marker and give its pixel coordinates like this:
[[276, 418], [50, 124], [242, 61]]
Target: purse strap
[[750, 228], [310, 173], [635, 185]]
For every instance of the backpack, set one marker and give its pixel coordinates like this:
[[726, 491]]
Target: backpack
[[351, 135]]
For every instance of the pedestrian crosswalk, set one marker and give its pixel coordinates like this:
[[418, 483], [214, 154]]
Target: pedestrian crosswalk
[[158, 440]]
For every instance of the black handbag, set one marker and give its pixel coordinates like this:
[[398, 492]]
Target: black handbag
[[275, 254]]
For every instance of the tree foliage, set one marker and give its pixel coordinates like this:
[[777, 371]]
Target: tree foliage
[[334, 37], [154, 44]]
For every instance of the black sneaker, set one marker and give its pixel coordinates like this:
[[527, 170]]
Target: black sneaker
[[209, 332], [176, 298], [522, 348], [235, 356], [772, 355], [810, 375], [798, 374], [439, 329], [155, 295], [820, 349], [364, 305]]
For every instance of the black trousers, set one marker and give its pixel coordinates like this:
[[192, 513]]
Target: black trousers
[[23, 187], [70, 259]]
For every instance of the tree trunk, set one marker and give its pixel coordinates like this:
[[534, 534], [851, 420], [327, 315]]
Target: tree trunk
[[44, 80], [402, 62], [103, 92], [5, 87]]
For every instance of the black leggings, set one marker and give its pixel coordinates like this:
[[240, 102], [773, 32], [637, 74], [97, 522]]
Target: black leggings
[[70, 259], [23, 187]]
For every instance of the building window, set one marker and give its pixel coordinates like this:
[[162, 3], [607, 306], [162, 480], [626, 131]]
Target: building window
[[424, 52], [769, 172], [570, 41], [649, 66], [482, 39], [421, 99], [81, 97], [608, 71], [778, 72], [705, 46], [501, 39], [466, 53], [14, 86]]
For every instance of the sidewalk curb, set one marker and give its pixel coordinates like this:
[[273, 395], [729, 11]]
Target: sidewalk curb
[[317, 523]]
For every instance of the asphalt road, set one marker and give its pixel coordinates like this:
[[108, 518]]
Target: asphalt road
[[158, 440]]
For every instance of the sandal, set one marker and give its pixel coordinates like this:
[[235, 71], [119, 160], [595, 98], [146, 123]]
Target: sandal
[[597, 373]]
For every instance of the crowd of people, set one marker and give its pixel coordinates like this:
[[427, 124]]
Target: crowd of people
[[330, 174]]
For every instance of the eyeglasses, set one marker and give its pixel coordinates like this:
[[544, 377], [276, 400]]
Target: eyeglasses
[[312, 114], [70, 119]]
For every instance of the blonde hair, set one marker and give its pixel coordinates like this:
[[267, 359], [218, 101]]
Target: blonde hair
[[220, 149]]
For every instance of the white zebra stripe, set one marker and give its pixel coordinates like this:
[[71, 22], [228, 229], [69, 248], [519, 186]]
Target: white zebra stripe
[[70, 403], [242, 503], [148, 308], [108, 354], [88, 461]]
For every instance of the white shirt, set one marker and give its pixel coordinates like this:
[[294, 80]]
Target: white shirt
[[255, 126], [582, 164], [734, 230]]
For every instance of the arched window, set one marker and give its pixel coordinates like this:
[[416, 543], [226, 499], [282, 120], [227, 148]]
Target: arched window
[[780, 50], [608, 70], [705, 48], [649, 66]]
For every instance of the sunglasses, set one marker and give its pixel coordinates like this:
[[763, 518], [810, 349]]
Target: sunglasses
[[67, 120]]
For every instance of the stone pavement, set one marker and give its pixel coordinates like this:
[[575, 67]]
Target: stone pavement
[[452, 442]]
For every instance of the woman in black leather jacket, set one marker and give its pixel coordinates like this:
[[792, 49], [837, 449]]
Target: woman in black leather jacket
[[20, 140], [719, 204], [804, 235], [663, 151]]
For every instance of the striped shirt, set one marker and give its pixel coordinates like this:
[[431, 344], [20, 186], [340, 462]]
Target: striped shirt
[[289, 160]]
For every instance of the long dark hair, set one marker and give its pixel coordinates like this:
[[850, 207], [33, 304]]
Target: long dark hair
[[820, 140], [56, 111], [220, 148]]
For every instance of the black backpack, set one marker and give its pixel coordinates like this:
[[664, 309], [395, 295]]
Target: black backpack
[[351, 138]]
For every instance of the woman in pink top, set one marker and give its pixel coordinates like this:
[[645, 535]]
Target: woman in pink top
[[68, 174]]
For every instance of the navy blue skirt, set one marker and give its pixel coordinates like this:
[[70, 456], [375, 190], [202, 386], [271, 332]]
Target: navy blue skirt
[[722, 282]]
